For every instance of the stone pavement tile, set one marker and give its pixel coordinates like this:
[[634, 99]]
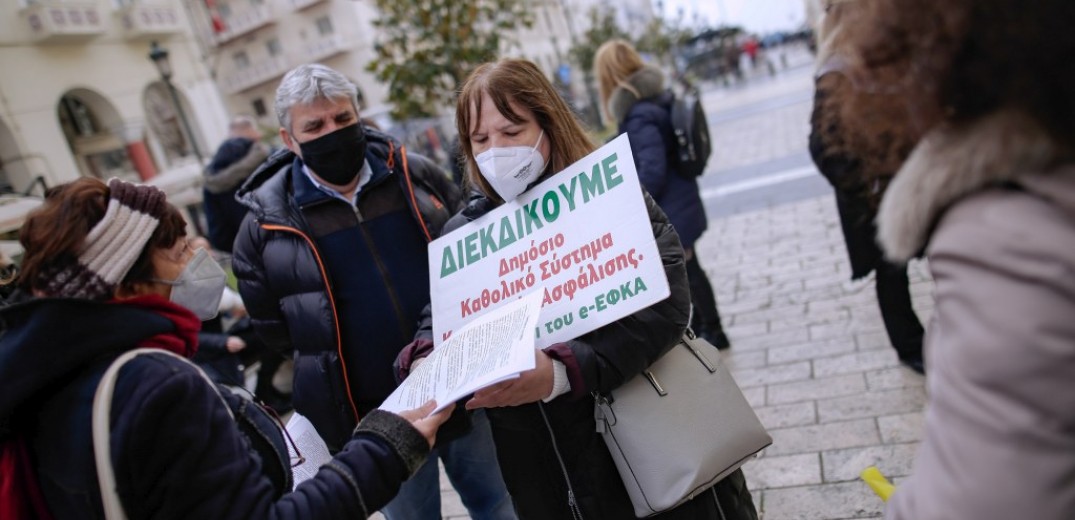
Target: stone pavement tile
[[894, 460], [875, 340], [856, 362], [736, 360], [822, 502], [817, 318], [787, 415], [755, 396], [892, 378], [831, 436], [766, 314], [871, 404], [848, 384], [787, 471], [774, 339], [740, 329], [810, 350], [904, 427], [835, 330], [772, 374]]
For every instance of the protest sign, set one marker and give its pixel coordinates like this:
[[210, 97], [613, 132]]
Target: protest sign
[[582, 238]]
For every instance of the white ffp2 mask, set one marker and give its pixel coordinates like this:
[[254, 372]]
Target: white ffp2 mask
[[200, 286], [510, 169]]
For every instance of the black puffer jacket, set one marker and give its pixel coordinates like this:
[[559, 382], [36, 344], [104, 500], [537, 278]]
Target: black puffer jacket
[[176, 452], [284, 282]]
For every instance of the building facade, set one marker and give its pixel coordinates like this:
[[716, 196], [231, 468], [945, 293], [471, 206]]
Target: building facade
[[80, 96]]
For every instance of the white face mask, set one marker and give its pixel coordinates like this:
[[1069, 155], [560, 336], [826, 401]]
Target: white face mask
[[509, 170], [200, 286]]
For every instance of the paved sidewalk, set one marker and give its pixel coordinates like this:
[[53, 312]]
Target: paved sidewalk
[[810, 352]]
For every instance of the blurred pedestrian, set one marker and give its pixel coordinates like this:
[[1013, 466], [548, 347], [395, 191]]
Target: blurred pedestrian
[[859, 157], [234, 161], [555, 463], [110, 270], [332, 266], [635, 98], [989, 191]]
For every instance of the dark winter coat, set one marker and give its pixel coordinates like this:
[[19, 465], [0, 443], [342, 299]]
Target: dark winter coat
[[533, 440], [285, 284], [233, 162], [176, 451], [647, 120]]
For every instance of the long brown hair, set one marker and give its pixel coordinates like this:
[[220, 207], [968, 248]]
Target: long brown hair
[[517, 81], [54, 233]]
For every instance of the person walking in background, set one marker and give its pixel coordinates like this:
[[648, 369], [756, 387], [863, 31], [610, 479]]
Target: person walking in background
[[859, 158], [555, 463], [989, 192], [234, 161], [635, 98], [107, 269], [332, 265]]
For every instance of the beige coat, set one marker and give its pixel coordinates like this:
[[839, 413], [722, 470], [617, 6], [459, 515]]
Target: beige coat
[[997, 207]]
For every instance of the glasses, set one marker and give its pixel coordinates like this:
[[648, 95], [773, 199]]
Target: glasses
[[298, 459]]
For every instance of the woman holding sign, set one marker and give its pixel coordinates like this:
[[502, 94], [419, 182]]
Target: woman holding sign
[[515, 132]]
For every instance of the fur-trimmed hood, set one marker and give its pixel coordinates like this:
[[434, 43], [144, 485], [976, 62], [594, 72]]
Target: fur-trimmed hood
[[951, 163], [646, 82]]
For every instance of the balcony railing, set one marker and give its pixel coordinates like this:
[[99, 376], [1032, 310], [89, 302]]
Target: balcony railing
[[243, 22], [56, 21], [299, 5], [256, 74], [143, 21], [326, 47]]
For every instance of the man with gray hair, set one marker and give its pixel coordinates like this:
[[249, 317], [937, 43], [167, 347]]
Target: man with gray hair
[[332, 264]]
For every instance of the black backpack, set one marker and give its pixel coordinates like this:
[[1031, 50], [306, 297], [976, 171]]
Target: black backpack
[[691, 132]]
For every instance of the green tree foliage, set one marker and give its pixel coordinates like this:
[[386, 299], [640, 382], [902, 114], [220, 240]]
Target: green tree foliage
[[426, 48], [661, 38], [603, 27]]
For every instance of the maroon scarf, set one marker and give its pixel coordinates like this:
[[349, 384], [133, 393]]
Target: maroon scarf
[[184, 339]]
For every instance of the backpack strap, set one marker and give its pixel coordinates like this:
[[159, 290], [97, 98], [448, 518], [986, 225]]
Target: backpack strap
[[102, 411]]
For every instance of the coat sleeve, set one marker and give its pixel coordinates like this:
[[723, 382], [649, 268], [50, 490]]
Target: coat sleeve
[[261, 303], [649, 148], [178, 454], [604, 359]]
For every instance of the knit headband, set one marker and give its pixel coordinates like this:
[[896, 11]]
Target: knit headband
[[112, 246]]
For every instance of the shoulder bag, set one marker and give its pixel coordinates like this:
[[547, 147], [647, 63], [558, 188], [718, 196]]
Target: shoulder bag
[[679, 427]]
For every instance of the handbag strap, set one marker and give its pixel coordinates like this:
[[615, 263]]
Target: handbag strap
[[102, 411]]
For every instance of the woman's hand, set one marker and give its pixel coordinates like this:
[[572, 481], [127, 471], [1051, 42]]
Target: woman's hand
[[427, 424], [530, 386]]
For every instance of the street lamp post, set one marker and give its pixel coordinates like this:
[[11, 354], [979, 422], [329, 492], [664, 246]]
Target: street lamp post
[[159, 56]]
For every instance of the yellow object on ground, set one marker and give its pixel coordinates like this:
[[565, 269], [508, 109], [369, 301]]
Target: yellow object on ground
[[878, 483]]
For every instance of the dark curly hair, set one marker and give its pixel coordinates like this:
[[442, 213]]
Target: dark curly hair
[[963, 59]]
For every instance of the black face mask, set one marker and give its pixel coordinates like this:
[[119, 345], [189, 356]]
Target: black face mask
[[336, 157]]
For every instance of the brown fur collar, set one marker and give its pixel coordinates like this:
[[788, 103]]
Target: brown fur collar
[[645, 82], [950, 163]]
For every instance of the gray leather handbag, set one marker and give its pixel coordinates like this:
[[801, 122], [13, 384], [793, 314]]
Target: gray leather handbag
[[678, 428]]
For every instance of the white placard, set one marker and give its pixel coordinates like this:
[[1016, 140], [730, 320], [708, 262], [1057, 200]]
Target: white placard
[[582, 239]]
